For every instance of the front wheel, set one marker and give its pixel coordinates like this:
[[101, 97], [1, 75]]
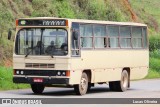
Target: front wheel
[[81, 88], [37, 88]]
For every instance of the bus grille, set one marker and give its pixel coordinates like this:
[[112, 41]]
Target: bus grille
[[38, 65]]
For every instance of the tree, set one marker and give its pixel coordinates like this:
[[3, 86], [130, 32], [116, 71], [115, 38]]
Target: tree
[[5, 20]]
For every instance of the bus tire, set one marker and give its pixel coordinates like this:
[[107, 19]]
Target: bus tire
[[123, 84], [37, 88], [89, 86], [112, 86], [82, 88]]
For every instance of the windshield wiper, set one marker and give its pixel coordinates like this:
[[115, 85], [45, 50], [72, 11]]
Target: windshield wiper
[[29, 52], [40, 44], [52, 56]]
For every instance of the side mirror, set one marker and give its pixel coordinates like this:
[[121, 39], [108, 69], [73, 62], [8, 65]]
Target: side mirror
[[75, 35], [9, 34]]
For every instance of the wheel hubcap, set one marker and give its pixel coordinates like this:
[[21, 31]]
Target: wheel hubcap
[[83, 83]]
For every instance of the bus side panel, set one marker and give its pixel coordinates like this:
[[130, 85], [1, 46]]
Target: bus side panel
[[75, 77], [107, 65], [104, 75], [137, 73], [18, 63]]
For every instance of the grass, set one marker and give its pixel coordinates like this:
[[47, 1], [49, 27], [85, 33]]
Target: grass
[[154, 65], [152, 74], [6, 82]]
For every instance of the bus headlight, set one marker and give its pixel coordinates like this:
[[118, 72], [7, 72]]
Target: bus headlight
[[59, 73], [63, 73], [22, 72], [17, 72]]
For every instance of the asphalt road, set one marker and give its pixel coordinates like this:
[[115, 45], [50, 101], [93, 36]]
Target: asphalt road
[[139, 89]]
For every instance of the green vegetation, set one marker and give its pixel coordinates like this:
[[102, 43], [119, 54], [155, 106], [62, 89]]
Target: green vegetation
[[148, 12], [154, 60], [110, 10], [6, 80], [154, 43], [154, 63]]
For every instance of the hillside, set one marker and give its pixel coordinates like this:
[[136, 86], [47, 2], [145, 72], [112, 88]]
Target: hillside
[[112, 10], [148, 12]]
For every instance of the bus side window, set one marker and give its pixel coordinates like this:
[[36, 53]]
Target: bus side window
[[86, 33], [113, 33], [137, 40], [145, 41], [125, 36], [75, 39], [99, 36]]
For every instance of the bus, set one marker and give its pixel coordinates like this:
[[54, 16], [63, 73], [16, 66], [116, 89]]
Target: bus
[[79, 53]]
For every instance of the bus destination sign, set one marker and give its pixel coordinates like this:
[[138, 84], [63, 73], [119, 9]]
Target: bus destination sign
[[54, 22]]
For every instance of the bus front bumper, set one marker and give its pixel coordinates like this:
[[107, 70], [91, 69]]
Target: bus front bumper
[[40, 80]]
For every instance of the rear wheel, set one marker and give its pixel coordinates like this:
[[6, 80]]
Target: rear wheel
[[81, 88], [112, 86], [121, 85], [37, 88]]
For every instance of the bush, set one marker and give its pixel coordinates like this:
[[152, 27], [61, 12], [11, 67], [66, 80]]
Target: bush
[[154, 43], [155, 54], [154, 64], [64, 9]]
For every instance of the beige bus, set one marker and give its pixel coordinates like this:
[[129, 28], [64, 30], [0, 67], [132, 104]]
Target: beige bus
[[79, 53]]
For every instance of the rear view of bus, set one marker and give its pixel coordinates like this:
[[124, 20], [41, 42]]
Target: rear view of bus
[[79, 53]]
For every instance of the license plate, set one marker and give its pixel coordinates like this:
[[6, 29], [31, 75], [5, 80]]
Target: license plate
[[38, 80]]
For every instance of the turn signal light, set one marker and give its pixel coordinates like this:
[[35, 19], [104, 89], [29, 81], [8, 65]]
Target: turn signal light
[[66, 22], [16, 22], [67, 73]]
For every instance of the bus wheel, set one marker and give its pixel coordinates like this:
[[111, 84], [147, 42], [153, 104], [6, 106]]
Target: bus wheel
[[112, 86], [123, 84], [89, 86], [81, 88], [37, 88]]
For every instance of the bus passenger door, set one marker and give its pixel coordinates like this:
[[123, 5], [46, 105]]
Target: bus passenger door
[[75, 40]]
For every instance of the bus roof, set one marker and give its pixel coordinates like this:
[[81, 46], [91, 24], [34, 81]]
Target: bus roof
[[91, 21]]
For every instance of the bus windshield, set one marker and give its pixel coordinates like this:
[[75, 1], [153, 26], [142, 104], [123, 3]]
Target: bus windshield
[[41, 41]]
